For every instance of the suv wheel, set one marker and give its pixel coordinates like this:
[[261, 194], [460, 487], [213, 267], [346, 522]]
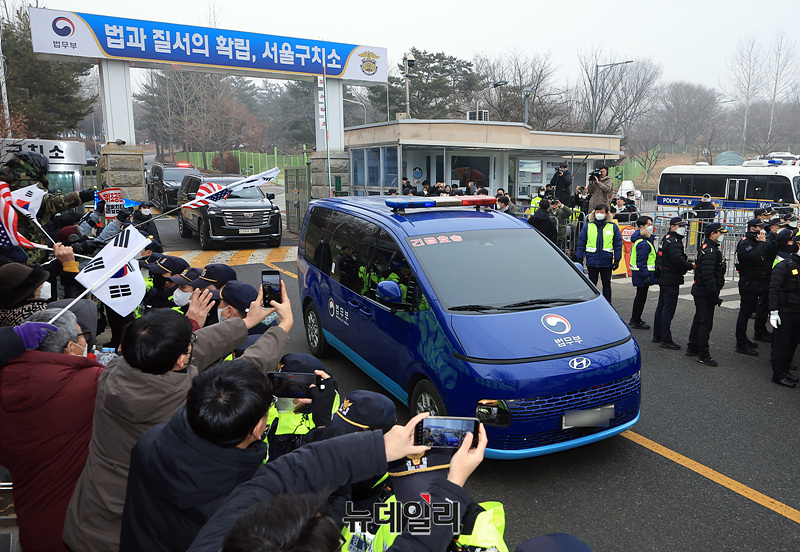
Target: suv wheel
[[314, 335], [425, 398], [274, 242], [182, 228], [205, 239]]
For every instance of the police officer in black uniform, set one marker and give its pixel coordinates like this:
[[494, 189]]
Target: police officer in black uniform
[[709, 277], [784, 316], [671, 265], [753, 267], [760, 327]]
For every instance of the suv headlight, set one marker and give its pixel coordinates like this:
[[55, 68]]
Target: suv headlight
[[493, 412]]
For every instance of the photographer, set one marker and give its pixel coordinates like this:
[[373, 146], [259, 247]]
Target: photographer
[[601, 188], [562, 183], [562, 213]]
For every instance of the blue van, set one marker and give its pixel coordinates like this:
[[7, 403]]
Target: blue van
[[465, 311]]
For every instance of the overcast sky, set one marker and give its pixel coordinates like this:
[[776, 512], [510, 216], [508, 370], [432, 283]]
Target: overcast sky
[[691, 39]]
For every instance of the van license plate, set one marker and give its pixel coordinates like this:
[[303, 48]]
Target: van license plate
[[594, 417], [248, 230]]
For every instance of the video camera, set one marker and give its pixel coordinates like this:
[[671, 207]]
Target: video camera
[[595, 175]]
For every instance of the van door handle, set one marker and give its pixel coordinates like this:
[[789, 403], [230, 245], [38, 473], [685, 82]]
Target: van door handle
[[354, 304], [365, 312]]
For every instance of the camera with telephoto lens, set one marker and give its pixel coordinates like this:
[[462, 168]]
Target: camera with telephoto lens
[[595, 175]]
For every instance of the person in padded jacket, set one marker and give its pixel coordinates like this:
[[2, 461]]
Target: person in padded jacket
[[709, 277], [543, 221], [254, 509], [671, 266]]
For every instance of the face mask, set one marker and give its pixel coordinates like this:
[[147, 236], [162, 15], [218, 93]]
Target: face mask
[[285, 404], [220, 316], [720, 239], [600, 216], [649, 228], [84, 350], [181, 298], [793, 224], [46, 292], [681, 231], [541, 194], [146, 212]]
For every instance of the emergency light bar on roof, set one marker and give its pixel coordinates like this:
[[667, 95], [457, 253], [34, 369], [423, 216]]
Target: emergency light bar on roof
[[420, 203]]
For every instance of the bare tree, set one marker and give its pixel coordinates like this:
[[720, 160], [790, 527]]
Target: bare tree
[[685, 112], [644, 144], [746, 81], [781, 79], [622, 93]]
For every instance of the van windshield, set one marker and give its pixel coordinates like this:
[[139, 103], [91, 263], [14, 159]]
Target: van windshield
[[509, 268]]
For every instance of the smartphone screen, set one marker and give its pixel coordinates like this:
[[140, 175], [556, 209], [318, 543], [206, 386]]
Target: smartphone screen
[[445, 432], [292, 384], [271, 284]]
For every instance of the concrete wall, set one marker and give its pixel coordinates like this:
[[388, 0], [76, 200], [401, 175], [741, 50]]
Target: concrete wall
[[123, 167]]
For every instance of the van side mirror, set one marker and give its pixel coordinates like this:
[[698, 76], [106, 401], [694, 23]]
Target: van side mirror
[[389, 292], [270, 195]]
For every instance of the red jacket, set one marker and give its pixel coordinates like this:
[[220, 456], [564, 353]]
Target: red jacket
[[46, 407]]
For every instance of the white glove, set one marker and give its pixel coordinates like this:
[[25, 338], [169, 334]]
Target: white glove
[[774, 319]]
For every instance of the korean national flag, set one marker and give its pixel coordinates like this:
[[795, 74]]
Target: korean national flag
[[28, 200], [116, 278]]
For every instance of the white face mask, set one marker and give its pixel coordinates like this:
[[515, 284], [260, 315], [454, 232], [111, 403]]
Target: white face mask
[[146, 212], [649, 228], [720, 239], [46, 292], [84, 350], [220, 316], [681, 231], [600, 216], [793, 224], [181, 298]]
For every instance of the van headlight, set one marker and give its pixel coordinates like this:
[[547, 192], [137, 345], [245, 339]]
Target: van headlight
[[493, 412]]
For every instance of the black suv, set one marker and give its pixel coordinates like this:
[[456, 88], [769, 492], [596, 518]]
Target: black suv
[[164, 181], [245, 215]]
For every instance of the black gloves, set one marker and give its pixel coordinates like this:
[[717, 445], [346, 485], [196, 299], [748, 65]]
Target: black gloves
[[615, 265], [322, 397], [646, 280], [86, 196]]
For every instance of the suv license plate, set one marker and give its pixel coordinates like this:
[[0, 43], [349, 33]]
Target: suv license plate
[[594, 417], [248, 230]]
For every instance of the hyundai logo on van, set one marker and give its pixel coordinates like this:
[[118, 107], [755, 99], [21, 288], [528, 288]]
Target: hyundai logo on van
[[556, 323], [579, 363]]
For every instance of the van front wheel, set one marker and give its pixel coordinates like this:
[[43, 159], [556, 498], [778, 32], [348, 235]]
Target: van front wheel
[[425, 398], [314, 335]]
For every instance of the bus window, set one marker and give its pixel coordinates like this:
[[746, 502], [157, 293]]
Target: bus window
[[736, 188], [711, 184], [757, 187], [779, 189]]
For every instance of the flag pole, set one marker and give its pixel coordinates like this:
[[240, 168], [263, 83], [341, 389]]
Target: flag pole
[[78, 298], [36, 222], [40, 246]]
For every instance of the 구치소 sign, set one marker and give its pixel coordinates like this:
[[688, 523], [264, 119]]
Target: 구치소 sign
[[149, 43]]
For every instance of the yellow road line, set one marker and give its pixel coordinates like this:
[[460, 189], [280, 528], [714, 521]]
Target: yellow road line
[[241, 257], [278, 254], [202, 259], [716, 477], [279, 269], [176, 253]]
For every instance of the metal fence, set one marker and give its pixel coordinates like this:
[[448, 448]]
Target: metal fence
[[260, 161]]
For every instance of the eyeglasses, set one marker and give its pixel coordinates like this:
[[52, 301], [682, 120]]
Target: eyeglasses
[[193, 338], [85, 335]]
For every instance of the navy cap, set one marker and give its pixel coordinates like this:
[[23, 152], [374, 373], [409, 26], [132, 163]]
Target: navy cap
[[757, 222], [763, 211], [167, 263], [144, 204], [186, 277], [299, 362], [237, 294], [677, 220], [783, 237], [715, 227], [154, 246], [554, 542], [362, 410], [413, 475], [789, 217], [777, 221], [217, 274]]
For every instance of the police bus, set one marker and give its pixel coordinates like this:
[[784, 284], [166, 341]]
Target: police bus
[[734, 189]]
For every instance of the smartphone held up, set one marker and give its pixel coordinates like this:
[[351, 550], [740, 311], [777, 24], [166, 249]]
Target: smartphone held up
[[271, 284], [445, 431]]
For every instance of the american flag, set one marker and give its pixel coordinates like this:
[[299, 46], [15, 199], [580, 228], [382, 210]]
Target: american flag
[[8, 229], [207, 193]]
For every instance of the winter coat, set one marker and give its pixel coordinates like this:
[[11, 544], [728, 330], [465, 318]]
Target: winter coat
[[562, 215], [704, 210], [601, 193], [46, 406], [639, 256], [784, 286], [11, 345], [542, 221], [327, 464], [709, 271], [752, 264], [599, 258], [129, 402], [176, 482], [674, 263], [562, 185]]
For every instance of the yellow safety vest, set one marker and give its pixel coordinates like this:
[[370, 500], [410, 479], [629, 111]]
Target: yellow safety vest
[[651, 257], [534, 205], [608, 237]]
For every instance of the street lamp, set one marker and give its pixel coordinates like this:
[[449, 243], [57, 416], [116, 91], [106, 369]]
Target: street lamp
[[496, 84], [361, 104], [408, 63], [594, 88], [527, 91]]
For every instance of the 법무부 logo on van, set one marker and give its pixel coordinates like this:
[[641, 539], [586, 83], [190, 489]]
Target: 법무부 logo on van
[[556, 323], [579, 363]]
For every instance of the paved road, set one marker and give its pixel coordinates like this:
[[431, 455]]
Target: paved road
[[709, 466]]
